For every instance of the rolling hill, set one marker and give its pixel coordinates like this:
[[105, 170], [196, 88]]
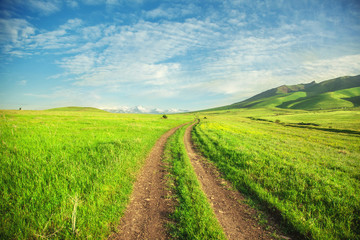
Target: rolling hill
[[76, 109], [334, 93]]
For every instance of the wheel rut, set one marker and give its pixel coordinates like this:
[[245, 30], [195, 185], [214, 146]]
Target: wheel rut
[[236, 218], [148, 210]]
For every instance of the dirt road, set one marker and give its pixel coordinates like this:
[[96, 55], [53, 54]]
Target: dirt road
[[236, 218], [148, 211]]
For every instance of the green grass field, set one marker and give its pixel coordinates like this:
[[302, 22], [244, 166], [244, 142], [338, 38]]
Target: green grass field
[[193, 216], [69, 174], [339, 119], [310, 176]]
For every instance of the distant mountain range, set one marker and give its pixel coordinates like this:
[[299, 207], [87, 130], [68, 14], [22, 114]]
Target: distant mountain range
[[141, 109], [137, 109], [340, 92], [75, 109]]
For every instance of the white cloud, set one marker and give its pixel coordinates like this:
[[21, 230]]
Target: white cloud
[[15, 30], [330, 68], [78, 64], [165, 92], [71, 24], [93, 2], [92, 33], [247, 83], [45, 7], [112, 75], [68, 96], [159, 12], [235, 50], [134, 54], [173, 11], [72, 3], [23, 39], [58, 39]]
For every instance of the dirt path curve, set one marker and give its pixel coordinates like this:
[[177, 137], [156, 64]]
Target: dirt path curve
[[236, 218], [148, 210]]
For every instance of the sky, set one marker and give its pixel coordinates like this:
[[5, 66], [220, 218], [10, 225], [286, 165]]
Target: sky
[[169, 54]]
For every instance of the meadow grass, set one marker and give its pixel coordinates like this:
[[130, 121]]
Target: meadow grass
[[322, 101], [336, 119], [310, 177], [328, 100], [66, 174], [193, 216]]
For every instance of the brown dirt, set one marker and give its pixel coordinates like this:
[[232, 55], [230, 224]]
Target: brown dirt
[[149, 209], [237, 218]]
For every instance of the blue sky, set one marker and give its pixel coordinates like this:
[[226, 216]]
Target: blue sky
[[169, 54]]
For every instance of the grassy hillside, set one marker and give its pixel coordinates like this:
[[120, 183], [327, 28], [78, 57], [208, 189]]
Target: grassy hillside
[[335, 85], [343, 92]]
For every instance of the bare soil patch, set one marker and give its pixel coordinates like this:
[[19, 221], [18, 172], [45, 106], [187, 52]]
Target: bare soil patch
[[237, 218], [149, 209]]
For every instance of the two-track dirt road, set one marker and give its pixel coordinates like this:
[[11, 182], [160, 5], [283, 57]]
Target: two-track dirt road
[[148, 211]]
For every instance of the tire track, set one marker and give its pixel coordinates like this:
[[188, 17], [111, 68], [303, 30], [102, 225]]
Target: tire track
[[236, 218], [148, 210]]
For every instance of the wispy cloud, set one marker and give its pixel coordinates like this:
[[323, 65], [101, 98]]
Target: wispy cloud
[[61, 96], [45, 7], [21, 38], [172, 11], [15, 29], [72, 3], [228, 48], [141, 53], [79, 64], [72, 24]]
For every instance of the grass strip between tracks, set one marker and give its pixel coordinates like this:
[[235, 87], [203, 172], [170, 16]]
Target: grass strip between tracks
[[193, 216]]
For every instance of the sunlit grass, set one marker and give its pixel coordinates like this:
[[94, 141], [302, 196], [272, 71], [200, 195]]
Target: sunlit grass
[[66, 175], [311, 176]]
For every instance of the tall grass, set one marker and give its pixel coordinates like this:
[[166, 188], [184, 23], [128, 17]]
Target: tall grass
[[193, 215], [311, 177], [66, 175], [339, 119]]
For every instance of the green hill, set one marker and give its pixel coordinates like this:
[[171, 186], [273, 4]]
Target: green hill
[[334, 93], [77, 109]]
